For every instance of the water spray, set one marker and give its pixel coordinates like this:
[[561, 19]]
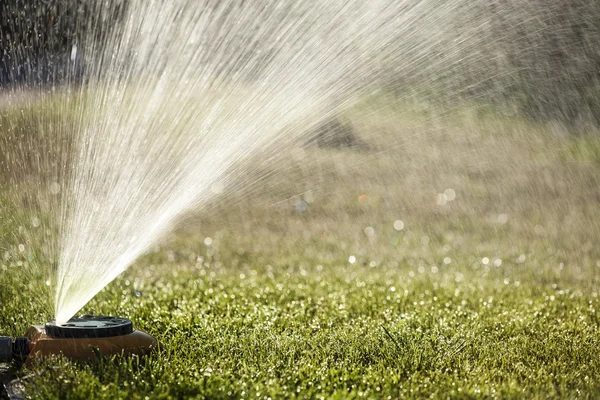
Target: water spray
[[80, 338]]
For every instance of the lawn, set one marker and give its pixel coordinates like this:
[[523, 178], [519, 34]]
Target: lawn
[[305, 284]]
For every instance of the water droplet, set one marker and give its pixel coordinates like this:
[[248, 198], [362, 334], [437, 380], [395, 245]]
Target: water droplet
[[54, 188], [48, 283], [301, 206], [21, 247], [441, 200], [447, 260], [398, 225], [138, 293], [369, 231], [485, 261], [351, 259], [208, 241], [449, 194], [502, 218], [35, 222], [73, 53]]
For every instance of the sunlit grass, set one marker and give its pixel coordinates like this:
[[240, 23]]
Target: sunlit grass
[[307, 289], [237, 319]]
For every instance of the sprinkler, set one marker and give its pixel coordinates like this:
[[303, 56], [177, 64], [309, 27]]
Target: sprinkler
[[80, 338]]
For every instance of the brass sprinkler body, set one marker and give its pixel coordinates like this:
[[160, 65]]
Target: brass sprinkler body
[[80, 338]]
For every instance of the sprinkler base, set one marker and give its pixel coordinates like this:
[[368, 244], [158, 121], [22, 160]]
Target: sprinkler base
[[87, 337]]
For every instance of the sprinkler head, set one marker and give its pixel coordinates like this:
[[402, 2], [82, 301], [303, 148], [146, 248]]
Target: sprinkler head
[[80, 338], [89, 326]]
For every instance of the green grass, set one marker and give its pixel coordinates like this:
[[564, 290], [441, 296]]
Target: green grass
[[461, 303], [280, 326]]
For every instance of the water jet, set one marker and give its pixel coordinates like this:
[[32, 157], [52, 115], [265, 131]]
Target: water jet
[[80, 338]]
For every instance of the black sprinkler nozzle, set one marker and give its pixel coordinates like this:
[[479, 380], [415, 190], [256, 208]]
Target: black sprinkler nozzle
[[90, 326]]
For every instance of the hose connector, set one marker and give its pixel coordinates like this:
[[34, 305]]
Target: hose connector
[[6, 349], [17, 349]]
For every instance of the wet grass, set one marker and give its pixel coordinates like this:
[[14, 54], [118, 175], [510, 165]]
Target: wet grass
[[280, 324], [305, 288]]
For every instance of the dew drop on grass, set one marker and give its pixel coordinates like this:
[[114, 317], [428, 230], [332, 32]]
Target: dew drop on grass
[[352, 259]]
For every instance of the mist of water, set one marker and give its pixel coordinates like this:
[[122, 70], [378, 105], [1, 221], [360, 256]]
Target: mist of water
[[180, 94]]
